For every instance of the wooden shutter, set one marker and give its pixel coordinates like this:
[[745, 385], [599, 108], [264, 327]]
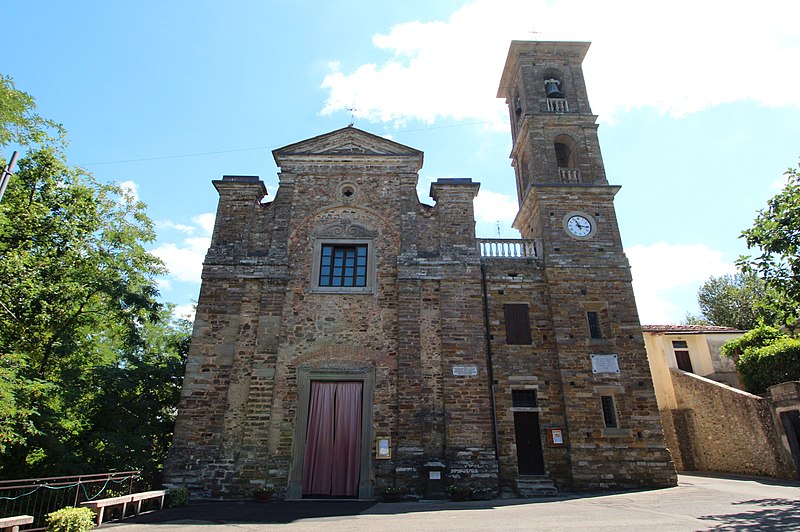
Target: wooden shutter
[[518, 324]]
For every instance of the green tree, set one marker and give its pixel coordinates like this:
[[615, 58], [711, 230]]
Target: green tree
[[90, 361], [19, 122], [776, 235], [77, 296], [741, 301], [72, 260]]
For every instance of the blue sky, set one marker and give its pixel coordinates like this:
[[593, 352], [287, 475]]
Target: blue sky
[[698, 104]]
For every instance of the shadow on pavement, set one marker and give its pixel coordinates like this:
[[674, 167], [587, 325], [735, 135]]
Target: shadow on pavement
[[777, 514], [283, 512]]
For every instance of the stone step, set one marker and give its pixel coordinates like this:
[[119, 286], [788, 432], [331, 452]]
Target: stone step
[[535, 486]]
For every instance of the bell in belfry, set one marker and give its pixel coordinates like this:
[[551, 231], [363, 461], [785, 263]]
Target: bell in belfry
[[551, 88]]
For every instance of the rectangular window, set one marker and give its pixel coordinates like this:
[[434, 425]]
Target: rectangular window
[[343, 265], [523, 398], [594, 325], [518, 324], [609, 411]]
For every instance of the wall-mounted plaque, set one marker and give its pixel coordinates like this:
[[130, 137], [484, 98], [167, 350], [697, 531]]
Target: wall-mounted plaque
[[465, 371], [604, 364]]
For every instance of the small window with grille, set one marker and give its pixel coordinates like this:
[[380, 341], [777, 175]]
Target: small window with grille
[[523, 398], [609, 411], [595, 330]]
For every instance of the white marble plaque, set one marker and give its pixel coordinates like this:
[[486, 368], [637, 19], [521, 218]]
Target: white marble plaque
[[604, 364], [465, 371]]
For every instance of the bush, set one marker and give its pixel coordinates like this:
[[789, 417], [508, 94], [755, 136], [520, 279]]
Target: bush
[[759, 337], [70, 520], [772, 364], [177, 496]]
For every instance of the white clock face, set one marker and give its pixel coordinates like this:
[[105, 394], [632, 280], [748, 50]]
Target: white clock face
[[579, 225]]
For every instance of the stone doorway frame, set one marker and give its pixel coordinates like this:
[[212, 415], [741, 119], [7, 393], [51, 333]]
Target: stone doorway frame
[[307, 374]]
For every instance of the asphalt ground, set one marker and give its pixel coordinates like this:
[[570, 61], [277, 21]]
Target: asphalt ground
[[699, 502]]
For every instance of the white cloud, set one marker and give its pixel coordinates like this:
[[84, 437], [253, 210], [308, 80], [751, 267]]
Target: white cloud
[[183, 228], [680, 59], [662, 270], [492, 207], [184, 260], [184, 312], [206, 222], [130, 191]]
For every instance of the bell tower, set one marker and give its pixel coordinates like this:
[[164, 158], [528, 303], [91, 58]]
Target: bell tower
[[567, 205]]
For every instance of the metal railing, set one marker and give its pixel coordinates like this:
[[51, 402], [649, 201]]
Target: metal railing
[[40, 496], [507, 248]]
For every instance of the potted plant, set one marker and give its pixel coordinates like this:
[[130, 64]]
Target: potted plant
[[392, 494], [264, 493], [458, 493]]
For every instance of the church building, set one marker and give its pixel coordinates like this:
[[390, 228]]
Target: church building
[[350, 338]]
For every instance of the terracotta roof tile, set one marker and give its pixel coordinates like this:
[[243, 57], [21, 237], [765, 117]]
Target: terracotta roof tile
[[689, 329]]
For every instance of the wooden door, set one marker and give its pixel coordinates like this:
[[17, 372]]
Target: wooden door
[[529, 443]]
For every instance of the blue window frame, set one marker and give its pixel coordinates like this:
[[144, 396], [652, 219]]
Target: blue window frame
[[343, 265]]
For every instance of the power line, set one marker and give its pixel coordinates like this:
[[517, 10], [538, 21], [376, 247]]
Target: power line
[[201, 154], [178, 156]]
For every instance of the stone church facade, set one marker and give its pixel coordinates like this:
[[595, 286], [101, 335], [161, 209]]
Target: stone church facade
[[349, 338]]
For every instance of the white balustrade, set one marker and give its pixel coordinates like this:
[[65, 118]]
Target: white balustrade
[[507, 248], [557, 105]]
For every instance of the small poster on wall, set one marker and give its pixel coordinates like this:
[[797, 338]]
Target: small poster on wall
[[555, 437]]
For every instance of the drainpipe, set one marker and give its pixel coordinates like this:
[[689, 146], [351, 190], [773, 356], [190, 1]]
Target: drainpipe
[[490, 373]]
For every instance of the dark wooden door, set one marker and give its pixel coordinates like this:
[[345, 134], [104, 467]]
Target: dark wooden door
[[529, 443], [684, 361], [791, 425]]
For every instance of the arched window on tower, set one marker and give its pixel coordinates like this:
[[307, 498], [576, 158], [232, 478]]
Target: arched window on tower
[[566, 161]]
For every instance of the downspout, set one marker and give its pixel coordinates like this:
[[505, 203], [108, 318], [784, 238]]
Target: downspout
[[490, 373]]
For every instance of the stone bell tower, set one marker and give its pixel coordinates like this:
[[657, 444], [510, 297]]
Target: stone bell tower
[[566, 204]]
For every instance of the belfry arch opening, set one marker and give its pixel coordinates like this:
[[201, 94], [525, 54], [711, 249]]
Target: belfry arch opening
[[566, 159]]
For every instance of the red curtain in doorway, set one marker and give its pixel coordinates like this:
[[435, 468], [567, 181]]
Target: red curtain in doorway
[[331, 465]]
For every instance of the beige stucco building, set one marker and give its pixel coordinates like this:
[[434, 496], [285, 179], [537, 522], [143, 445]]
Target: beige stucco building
[[692, 348], [710, 423]]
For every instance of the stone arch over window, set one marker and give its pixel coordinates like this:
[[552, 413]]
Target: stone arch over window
[[566, 159]]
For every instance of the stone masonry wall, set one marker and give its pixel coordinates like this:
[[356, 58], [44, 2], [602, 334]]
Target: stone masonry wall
[[729, 430]]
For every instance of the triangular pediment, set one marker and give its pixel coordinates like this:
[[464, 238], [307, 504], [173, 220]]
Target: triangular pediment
[[348, 141]]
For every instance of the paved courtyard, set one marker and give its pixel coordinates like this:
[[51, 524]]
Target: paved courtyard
[[699, 502]]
